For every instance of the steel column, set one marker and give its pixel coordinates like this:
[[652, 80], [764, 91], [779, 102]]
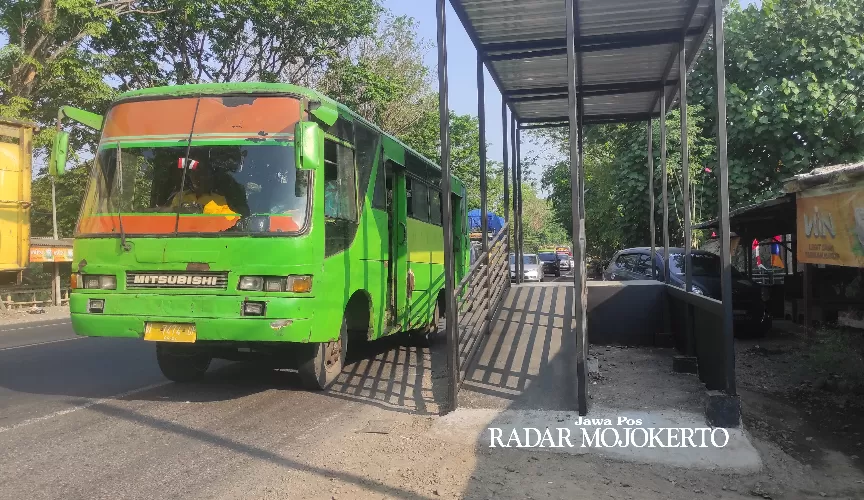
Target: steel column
[[723, 167], [685, 167], [580, 299], [514, 228], [665, 174], [651, 222], [447, 209], [518, 192], [505, 171], [481, 118]]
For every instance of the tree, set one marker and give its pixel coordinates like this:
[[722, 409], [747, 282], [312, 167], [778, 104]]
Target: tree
[[795, 71], [383, 77], [70, 190], [233, 40], [47, 61]]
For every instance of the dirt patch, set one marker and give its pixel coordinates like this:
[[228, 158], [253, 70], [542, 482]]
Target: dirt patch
[[387, 452], [16, 316], [806, 395]]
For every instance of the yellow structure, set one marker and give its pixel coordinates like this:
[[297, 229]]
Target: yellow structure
[[16, 149]]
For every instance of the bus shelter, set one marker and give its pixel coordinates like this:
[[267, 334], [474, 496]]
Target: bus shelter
[[576, 63]]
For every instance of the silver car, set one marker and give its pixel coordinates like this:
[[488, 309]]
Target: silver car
[[532, 268]]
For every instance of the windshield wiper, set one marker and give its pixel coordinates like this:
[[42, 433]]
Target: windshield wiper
[[185, 163], [123, 244]]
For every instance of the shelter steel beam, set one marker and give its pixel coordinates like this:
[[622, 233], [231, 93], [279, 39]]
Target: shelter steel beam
[[518, 191], [688, 18], [505, 159], [592, 119], [685, 169], [558, 47], [484, 212], [481, 119], [535, 126], [515, 227], [651, 221], [723, 166], [447, 208], [665, 189], [579, 295], [597, 89]]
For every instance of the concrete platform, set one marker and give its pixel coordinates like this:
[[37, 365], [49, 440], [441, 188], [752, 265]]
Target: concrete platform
[[734, 454], [522, 379]]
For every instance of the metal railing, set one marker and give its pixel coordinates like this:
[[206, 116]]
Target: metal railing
[[769, 276], [478, 296], [16, 298]]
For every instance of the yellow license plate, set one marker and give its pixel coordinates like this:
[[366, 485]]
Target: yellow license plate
[[170, 332]]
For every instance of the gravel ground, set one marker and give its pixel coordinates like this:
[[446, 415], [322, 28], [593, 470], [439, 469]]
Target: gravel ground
[[16, 316]]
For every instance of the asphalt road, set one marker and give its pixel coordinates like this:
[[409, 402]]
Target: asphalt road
[[94, 418]]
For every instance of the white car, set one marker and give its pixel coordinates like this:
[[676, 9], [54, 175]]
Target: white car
[[532, 269]]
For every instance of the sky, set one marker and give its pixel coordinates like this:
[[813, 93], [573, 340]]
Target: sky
[[462, 69]]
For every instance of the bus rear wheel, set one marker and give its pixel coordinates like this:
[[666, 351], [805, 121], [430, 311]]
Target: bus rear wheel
[[182, 363], [321, 363]]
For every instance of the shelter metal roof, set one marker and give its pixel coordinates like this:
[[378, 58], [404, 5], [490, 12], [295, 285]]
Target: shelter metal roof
[[629, 51]]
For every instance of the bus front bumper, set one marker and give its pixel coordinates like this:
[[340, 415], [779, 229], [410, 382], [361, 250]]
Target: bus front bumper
[[216, 317]]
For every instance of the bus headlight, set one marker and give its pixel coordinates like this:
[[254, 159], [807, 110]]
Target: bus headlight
[[295, 284], [251, 283], [94, 281]]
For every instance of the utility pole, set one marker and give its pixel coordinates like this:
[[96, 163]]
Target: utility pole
[[55, 279]]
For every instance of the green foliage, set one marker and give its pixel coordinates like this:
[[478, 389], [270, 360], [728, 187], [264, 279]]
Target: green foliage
[[383, 77], [70, 190], [795, 71], [47, 63], [190, 41], [540, 227]]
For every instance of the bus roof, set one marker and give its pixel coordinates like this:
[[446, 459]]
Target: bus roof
[[270, 88]]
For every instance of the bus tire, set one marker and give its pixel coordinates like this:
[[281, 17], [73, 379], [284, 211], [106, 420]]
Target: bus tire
[[322, 362], [181, 364]]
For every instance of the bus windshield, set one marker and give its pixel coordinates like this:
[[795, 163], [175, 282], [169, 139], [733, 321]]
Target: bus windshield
[[232, 169]]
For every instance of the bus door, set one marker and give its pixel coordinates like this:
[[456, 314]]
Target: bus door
[[397, 212], [460, 241]]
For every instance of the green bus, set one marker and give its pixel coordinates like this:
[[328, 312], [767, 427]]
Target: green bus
[[250, 219]]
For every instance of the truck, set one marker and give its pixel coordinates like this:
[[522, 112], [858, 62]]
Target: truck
[[16, 150]]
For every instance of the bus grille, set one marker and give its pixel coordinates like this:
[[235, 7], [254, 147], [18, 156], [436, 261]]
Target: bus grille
[[215, 281]]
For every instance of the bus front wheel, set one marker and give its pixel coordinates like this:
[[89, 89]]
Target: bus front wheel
[[321, 363], [181, 363]]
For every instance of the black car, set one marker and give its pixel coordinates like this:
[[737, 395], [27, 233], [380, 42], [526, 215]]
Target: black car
[[748, 304], [551, 263]]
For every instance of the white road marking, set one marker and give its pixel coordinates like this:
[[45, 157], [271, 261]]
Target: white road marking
[[35, 326], [41, 343], [86, 405]]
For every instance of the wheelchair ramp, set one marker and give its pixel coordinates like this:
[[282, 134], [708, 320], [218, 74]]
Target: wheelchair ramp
[[522, 363]]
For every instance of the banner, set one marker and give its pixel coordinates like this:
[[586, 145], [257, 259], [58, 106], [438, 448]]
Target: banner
[[49, 254], [831, 225]]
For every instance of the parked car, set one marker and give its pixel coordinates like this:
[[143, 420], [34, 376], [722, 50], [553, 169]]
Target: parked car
[[532, 269], [748, 302], [552, 264], [566, 261]]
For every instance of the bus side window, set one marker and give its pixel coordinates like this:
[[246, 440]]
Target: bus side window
[[409, 195], [435, 207], [340, 193], [367, 141], [420, 202]]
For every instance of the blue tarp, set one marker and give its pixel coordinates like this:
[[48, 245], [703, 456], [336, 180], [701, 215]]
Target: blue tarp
[[495, 222]]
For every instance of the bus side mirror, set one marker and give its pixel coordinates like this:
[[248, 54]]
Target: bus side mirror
[[309, 150], [59, 151]]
